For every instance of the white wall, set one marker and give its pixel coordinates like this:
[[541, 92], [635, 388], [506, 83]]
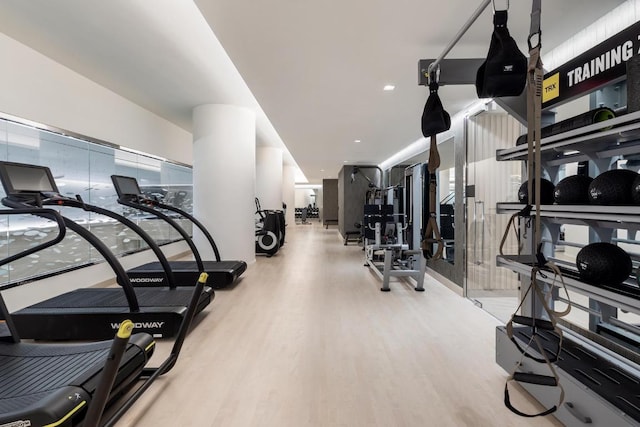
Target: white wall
[[303, 197], [611, 23], [36, 88], [268, 172], [289, 192], [224, 179]]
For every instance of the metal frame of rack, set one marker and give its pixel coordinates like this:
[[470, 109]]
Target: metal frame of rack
[[601, 143]]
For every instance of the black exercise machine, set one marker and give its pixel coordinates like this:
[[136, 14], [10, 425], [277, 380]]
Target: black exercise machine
[[269, 231], [221, 273], [53, 384], [91, 313], [281, 222]]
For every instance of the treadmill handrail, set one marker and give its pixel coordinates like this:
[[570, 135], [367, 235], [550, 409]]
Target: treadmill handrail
[[180, 230], [44, 213], [196, 222], [137, 229], [108, 375], [121, 275], [171, 360]]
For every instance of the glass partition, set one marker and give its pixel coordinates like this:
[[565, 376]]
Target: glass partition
[[83, 168], [488, 182]]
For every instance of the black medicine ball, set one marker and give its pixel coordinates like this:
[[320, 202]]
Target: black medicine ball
[[546, 192], [612, 188], [573, 190], [603, 264]]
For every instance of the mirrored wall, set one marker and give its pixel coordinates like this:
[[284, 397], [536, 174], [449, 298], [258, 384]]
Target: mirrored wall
[[82, 167]]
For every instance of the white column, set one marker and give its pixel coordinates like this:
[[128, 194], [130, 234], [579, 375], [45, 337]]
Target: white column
[[269, 177], [224, 144], [289, 192]]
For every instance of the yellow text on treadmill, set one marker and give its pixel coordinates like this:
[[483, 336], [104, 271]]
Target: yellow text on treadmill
[[551, 87]]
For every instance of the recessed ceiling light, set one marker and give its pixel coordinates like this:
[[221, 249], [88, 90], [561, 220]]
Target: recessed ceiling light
[[346, 161], [357, 141], [321, 170], [389, 87]]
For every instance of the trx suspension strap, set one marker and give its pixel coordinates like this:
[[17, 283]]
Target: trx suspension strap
[[434, 120], [432, 232], [535, 76], [535, 291]]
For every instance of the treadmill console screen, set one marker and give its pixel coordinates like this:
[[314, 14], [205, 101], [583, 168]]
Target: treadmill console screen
[[126, 186], [22, 178]]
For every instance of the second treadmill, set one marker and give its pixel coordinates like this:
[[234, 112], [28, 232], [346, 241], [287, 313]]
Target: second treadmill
[[221, 273]]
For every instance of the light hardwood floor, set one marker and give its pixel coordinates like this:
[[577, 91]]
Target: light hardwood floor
[[306, 338]]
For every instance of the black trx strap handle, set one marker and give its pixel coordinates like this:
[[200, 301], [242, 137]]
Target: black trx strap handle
[[533, 322], [507, 403], [524, 377]]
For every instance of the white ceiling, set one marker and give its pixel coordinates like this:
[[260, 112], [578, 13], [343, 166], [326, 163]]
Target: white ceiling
[[317, 69]]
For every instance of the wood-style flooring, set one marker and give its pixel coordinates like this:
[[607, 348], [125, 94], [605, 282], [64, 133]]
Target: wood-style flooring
[[306, 338]]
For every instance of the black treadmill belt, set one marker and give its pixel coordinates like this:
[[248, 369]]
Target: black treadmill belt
[[37, 379], [115, 297], [612, 383], [14, 404], [21, 376]]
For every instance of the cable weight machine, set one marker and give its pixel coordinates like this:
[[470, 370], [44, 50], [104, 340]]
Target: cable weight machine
[[385, 248]]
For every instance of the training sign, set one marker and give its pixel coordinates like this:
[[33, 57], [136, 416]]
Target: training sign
[[597, 67]]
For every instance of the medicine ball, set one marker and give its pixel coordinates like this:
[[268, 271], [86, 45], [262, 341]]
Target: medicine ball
[[546, 192], [612, 188], [635, 191], [573, 190], [603, 264]]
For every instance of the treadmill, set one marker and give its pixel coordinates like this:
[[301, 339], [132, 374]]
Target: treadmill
[[221, 273], [54, 384], [92, 313]]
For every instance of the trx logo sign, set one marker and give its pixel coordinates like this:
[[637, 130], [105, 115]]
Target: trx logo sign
[[147, 280], [551, 87], [139, 325], [21, 423]]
